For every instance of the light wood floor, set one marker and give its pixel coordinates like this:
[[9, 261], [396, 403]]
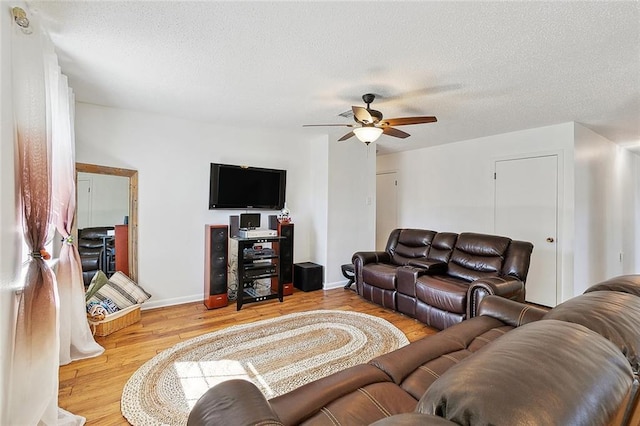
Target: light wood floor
[[92, 388]]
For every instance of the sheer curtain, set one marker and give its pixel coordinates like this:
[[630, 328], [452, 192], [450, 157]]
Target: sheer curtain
[[76, 339], [33, 394], [50, 310]]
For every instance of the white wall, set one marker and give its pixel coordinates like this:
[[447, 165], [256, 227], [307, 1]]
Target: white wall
[[636, 180], [9, 225], [351, 204], [450, 187], [606, 217], [172, 157], [318, 159]]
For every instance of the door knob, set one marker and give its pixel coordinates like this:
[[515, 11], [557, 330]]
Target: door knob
[[550, 239]]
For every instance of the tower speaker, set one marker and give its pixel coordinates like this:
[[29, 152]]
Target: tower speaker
[[285, 249], [215, 266]]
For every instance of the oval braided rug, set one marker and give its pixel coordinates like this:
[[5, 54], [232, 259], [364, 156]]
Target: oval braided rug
[[278, 355]]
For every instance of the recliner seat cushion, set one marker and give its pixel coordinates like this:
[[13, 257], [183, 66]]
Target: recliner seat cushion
[[446, 293], [380, 275]]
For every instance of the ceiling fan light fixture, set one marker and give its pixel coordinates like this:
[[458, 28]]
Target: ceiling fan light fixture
[[367, 134]]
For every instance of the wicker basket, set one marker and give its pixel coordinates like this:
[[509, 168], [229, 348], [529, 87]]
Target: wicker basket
[[116, 321]]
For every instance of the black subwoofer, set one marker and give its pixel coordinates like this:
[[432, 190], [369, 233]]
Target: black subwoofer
[[307, 276]]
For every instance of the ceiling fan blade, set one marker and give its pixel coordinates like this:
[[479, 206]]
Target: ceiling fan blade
[[390, 131], [404, 121], [325, 125], [347, 136], [361, 114]]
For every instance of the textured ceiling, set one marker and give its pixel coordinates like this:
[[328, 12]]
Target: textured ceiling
[[482, 68]]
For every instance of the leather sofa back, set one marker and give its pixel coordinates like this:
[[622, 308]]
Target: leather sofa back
[[534, 365], [406, 244], [478, 256], [612, 314], [87, 237], [623, 283], [90, 245], [442, 246], [516, 264]]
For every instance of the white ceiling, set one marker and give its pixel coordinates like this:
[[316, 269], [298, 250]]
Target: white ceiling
[[482, 68]]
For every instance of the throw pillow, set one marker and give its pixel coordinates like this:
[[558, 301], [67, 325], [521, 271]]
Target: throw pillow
[[98, 280], [123, 291]]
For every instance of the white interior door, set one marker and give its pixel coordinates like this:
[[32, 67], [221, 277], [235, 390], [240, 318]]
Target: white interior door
[[386, 207], [83, 208], [526, 208]]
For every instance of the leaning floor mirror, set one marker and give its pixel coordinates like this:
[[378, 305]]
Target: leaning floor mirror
[[107, 219]]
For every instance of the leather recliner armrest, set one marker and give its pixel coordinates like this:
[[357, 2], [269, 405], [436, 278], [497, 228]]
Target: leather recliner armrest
[[364, 257], [361, 258], [430, 267], [234, 402], [506, 287], [509, 311]]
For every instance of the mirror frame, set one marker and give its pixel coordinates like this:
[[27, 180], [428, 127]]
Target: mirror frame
[[133, 206]]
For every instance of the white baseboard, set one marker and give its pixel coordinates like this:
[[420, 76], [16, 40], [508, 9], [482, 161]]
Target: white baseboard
[[335, 284], [151, 304]]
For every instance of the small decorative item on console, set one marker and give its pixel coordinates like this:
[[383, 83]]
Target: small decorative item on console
[[285, 215]]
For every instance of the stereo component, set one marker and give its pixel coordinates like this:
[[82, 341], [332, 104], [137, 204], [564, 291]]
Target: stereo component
[[257, 233]]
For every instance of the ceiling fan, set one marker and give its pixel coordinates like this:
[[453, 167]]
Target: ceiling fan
[[370, 124]]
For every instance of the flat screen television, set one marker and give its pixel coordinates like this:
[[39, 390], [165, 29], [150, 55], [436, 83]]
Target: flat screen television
[[243, 187]]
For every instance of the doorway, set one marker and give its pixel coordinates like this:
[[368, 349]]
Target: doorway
[[526, 208], [386, 207]]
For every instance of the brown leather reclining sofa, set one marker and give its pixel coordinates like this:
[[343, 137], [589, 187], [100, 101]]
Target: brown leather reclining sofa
[[512, 364], [91, 246], [439, 278]]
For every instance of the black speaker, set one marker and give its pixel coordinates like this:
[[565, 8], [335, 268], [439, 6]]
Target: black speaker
[[273, 221], [234, 226], [307, 276], [286, 256], [285, 249], [215, 269]]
